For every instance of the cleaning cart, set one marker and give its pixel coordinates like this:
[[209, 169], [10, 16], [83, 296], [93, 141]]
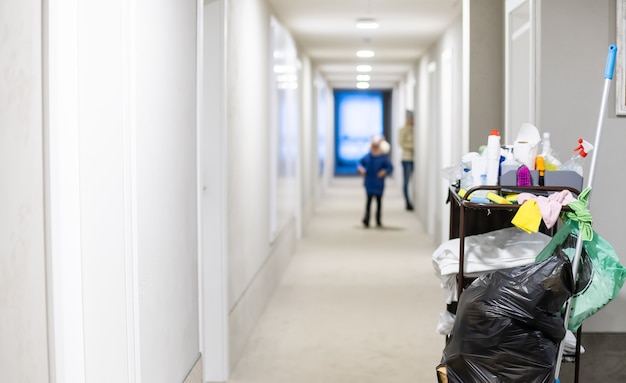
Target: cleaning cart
[[510, 323]]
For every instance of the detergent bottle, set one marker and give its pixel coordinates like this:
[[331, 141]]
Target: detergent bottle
[[509, 164], [493, 157]]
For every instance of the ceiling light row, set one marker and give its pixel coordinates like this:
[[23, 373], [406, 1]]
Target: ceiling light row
[[363, 79], [367, 24]]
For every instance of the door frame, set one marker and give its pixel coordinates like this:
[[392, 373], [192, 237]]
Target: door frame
[[213, 189]]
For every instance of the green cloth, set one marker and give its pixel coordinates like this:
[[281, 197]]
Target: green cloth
[[581, 214], [600, 275]]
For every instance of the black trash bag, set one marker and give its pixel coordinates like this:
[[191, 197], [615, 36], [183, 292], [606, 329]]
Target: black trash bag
[[508, 325]]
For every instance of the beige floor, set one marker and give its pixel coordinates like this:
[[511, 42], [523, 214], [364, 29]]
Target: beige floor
[[355, 305]]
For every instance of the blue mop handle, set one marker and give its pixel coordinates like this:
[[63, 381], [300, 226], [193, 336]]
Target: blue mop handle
[[610, 62], [608, 76]]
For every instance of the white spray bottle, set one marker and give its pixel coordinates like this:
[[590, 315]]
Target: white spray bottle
[[576, 162]]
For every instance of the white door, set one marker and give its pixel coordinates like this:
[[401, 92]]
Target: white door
[[520, 66]]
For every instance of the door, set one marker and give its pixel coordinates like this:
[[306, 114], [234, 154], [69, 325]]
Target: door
[[520, 68]]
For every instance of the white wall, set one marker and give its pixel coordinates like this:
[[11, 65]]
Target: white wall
[[308, 143], [486, 69], [95, 110], [326, 133], [23, 349], [212, 144], [122, 190], [459, 100], [284, 131], [575, 35], [166, 188], [255, 264], [437, 147], [324, 125], [122, 131], [248, 131]]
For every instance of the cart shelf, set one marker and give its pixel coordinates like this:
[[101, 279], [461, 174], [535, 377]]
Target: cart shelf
[[470, 218]]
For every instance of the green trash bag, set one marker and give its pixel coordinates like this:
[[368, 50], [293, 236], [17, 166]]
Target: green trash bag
[[600, 275]]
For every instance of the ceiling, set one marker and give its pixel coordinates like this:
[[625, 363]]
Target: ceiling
[[325, 30]]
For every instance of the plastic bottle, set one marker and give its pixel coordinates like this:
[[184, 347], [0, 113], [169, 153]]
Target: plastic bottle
[[550, 160], [576, 162], [479, 171], [493, 157], [540, 165], [509, 164], [545, 144]]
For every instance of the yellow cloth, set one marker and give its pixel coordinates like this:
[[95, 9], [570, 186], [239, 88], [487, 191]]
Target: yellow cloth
[[528, 217]]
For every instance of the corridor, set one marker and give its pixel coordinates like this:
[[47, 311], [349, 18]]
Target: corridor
[[355, 304]]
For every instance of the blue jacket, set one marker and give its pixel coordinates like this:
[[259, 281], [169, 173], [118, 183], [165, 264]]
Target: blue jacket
[[372, 165]]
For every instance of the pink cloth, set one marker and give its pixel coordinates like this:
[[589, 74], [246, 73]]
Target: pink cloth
[[550, 206]]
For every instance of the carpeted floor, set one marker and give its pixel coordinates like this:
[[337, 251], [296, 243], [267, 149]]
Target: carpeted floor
[[356, 305]]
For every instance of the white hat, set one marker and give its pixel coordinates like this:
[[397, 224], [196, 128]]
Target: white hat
[[385, 147]]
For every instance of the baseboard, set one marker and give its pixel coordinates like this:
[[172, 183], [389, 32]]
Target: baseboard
[[195, 375], [245, 315]]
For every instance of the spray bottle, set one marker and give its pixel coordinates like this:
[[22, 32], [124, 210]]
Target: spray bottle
[[576, 162], [548, 154]]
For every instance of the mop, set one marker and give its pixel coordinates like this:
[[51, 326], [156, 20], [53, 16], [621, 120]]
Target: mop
[[608, 76]]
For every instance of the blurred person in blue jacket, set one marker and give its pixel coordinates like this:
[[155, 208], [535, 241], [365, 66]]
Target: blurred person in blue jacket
[[374, 167]]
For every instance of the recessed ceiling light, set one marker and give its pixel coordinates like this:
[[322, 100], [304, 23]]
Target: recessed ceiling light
[[363, 77], [364, 68], [362, 85], [365, 53], [366, 24]]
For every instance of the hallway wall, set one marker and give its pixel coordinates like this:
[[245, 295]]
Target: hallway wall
[[23, 333], [255, 262], [98, 142], [325, 125], [122, 147], [308, 143], [459, 100], [575, 35], [166, 189], [435, 146], [484, 66]]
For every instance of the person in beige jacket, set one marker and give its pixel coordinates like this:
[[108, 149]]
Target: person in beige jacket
[[405, 139]]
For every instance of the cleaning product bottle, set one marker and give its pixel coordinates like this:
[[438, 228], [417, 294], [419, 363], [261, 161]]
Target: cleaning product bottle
[[493, 157], [548, 154], [540, 165], [576, 162], [509, 164]]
